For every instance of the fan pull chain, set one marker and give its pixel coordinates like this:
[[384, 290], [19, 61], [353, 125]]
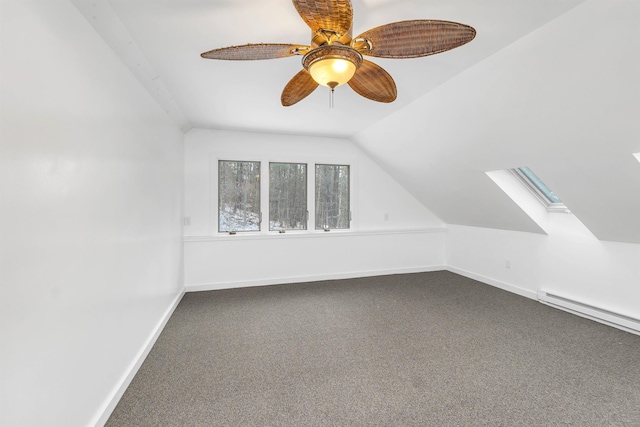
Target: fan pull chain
[[332, 85]]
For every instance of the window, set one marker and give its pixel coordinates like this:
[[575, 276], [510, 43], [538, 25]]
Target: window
[[637, 156], [287, 196], [332, 197], [238, 196], [291, 191], [539, 189]]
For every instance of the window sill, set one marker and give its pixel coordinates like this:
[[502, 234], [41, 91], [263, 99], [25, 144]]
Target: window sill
[[558, 209], [308, 234]]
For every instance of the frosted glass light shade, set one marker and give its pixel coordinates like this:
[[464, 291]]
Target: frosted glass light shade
[[332, 72], [332, 65]]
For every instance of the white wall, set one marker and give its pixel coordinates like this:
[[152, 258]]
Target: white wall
[[90, 231], [573, 264], [408, 237], [238, 261]]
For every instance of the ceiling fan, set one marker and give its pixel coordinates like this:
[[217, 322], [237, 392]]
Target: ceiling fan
[[334, 57]]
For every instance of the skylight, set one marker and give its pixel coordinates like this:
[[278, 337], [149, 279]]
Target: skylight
[[539, 185], [539, 189]]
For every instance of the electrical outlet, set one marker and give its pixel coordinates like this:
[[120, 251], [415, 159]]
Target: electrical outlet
[[386, 217], [186, 220], [507, 263]]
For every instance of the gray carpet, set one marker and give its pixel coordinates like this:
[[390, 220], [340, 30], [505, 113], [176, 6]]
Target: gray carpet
[[429, 349]]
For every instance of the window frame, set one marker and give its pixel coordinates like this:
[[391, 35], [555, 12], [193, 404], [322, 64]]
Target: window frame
[[306, 198], [265, 159], [315, 199], [537, 193], [260, 163]]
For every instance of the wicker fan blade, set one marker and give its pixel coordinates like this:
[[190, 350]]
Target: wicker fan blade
[[373, 82], [333, 15], [411, 39], [254, 51], [298, 88]]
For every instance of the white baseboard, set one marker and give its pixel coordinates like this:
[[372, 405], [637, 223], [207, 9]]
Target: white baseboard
[[496, 283], [112, 400], [312, 278]]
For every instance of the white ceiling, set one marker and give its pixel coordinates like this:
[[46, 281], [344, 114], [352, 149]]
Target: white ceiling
[[161, 42]]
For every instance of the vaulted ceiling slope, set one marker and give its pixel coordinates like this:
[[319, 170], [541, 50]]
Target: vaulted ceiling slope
[[161, 42], [564, 100]]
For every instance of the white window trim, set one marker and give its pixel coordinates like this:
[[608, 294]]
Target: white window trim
[[551, 207]]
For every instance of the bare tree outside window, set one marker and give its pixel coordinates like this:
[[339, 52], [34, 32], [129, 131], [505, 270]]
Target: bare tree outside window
[[287, 196], [238, 196], [332, 197]]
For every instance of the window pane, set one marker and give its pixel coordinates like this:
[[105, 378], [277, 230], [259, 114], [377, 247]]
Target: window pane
[[533, 178], [332, 196], [238, 196], [287, 196]]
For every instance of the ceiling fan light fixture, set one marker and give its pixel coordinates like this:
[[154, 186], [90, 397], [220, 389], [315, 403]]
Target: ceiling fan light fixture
[[334, 56], [332, 65], [332, 71]]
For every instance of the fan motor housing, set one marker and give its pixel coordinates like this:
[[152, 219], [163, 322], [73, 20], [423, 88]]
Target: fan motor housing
[[324, 37]]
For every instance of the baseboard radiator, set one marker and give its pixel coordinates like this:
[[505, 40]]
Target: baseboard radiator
[[607, 317]]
